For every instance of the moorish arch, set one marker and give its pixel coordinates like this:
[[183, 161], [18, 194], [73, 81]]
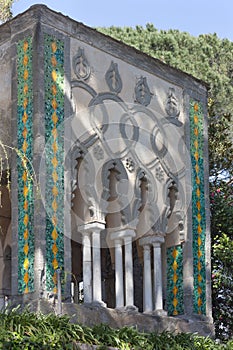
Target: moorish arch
[[131, 217]]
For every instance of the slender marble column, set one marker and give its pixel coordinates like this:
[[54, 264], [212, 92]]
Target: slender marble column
[[129, 286], [119, 285], [147, 279], [97, 288], [158, 283], [92, 285], [87, 268]]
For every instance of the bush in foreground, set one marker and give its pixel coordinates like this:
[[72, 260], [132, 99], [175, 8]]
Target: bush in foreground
[[27, 330]]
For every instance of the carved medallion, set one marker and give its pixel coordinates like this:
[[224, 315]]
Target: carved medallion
[[113, 78], [142, 92], [81, 65], [172, 107]]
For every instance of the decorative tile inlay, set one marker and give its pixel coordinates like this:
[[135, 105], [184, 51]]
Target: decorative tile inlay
[[198, 207], [24, 166], [175, 295], [54, 137]]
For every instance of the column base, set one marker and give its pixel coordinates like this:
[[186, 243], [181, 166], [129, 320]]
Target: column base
[[96, 304], [159, 313], [147, 312], [130, 308]]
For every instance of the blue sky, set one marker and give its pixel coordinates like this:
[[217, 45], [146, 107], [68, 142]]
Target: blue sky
[[193, 16]]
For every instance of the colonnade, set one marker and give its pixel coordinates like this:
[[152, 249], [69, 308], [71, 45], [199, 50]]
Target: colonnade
[[124, 284], [152, 284]]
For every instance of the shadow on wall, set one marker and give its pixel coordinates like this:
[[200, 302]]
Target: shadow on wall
[[5, 242]]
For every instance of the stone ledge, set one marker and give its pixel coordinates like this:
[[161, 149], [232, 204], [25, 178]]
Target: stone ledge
[[92, 314]]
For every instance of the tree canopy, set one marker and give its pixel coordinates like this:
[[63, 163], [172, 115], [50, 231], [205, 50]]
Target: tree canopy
[[5, 10]]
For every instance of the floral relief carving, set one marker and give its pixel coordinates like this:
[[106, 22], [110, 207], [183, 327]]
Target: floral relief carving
[[142, 92], [172, 107], [81, 65], [113, 78]]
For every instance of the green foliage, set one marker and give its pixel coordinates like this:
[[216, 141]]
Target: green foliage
[[5, 10], [222, 253], [29, 331]]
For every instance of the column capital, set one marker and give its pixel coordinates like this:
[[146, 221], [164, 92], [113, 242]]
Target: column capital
[[155, 240], [118, 242], [90, 227], [146, 247], [122, 234]]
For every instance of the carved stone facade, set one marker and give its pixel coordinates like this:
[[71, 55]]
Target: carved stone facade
[[107, 152]]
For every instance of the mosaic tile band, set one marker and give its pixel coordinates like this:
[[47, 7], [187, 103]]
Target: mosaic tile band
[[175, 294], [198, 207], [24, 162], [54, 138]]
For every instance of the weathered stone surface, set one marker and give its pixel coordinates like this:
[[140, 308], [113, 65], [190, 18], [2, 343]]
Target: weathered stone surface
[[91, 315]]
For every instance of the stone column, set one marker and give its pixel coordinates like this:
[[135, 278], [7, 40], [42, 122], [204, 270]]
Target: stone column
[[157, 241], [97, 285], [147, 279], [119, 283], [122, 288], [129, 286], [92, 285], [87, 268], [157, 295]]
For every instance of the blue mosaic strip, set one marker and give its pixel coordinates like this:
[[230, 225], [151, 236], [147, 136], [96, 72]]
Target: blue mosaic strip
[[175, 288], [26, 251], [54, 137], [198, 207]]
